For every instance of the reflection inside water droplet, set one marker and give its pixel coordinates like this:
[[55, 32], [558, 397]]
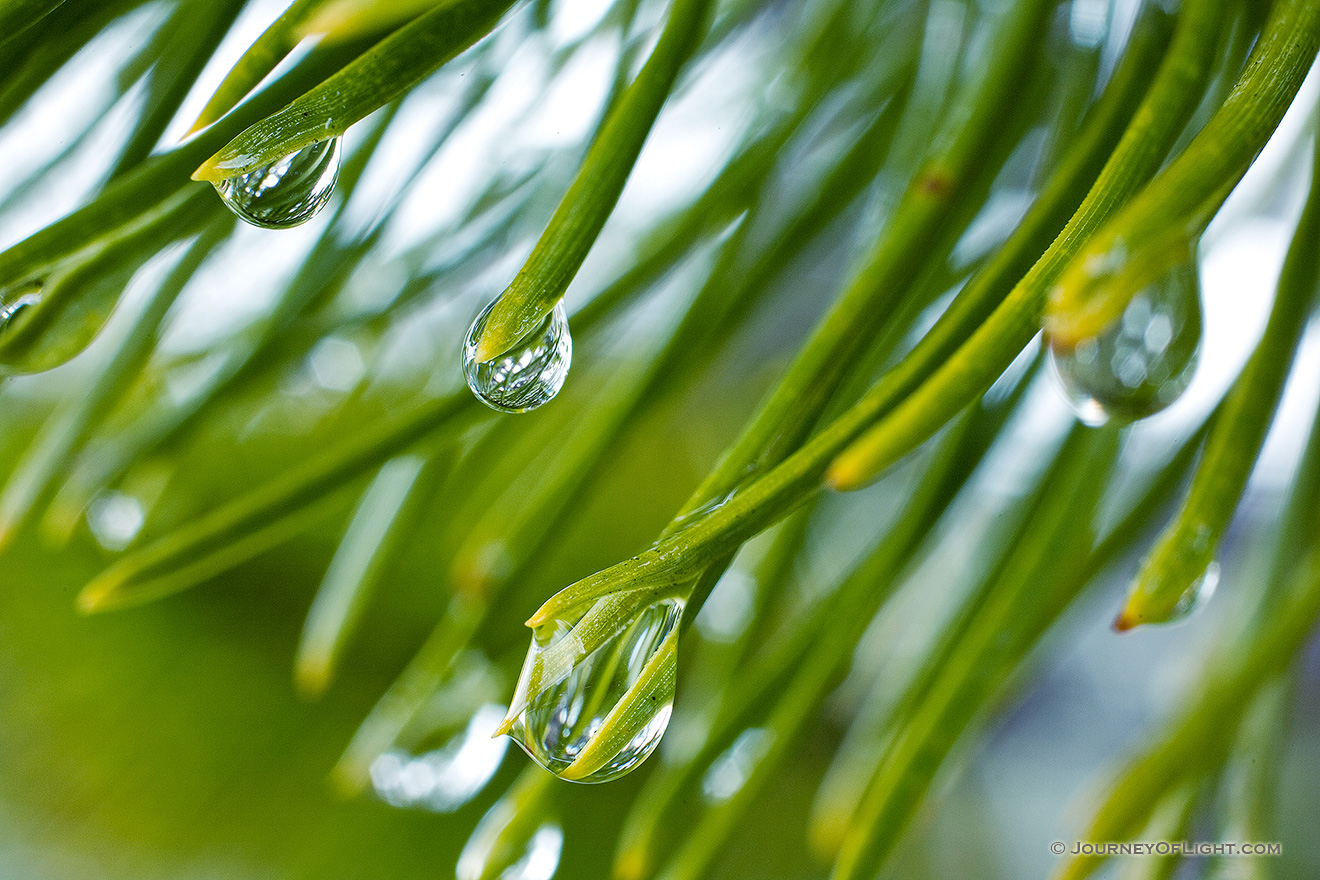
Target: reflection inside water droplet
[[526, 376], [1143, 361], [448, 777], [286, 192], [607, 713], [1197, 596]]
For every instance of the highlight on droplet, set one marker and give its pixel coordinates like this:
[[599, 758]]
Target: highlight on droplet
[[288, 191], [527, 376]]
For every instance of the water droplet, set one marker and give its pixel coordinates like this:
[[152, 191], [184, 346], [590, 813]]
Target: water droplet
[[597, 715], [286, 192], [448, 777], [1143, 361], [1197, 596], [526, 376], [684, 521], [26, 296]]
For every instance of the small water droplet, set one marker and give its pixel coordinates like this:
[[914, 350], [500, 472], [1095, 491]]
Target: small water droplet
[[1141, 362], [526, 376], [686, 520], [608, 713], [26, 296], [286, 192], [1197, 596], [448, 777]]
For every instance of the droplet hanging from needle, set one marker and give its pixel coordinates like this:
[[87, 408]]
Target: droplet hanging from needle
[[1142, 361], [288, 191], [597, 716], [526, 376]]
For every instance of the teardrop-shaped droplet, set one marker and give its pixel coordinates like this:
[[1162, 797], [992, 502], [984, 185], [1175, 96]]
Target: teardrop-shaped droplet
[[606, 715], [1197, 596], [286, 192], [1141, 362], [526, 376]]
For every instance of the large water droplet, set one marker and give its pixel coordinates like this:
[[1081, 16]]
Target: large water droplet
[[286, 192], [609, 708], [1141, 362], [448, 777], [526, 376]]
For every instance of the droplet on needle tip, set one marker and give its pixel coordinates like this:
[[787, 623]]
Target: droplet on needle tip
[[286, 192]]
